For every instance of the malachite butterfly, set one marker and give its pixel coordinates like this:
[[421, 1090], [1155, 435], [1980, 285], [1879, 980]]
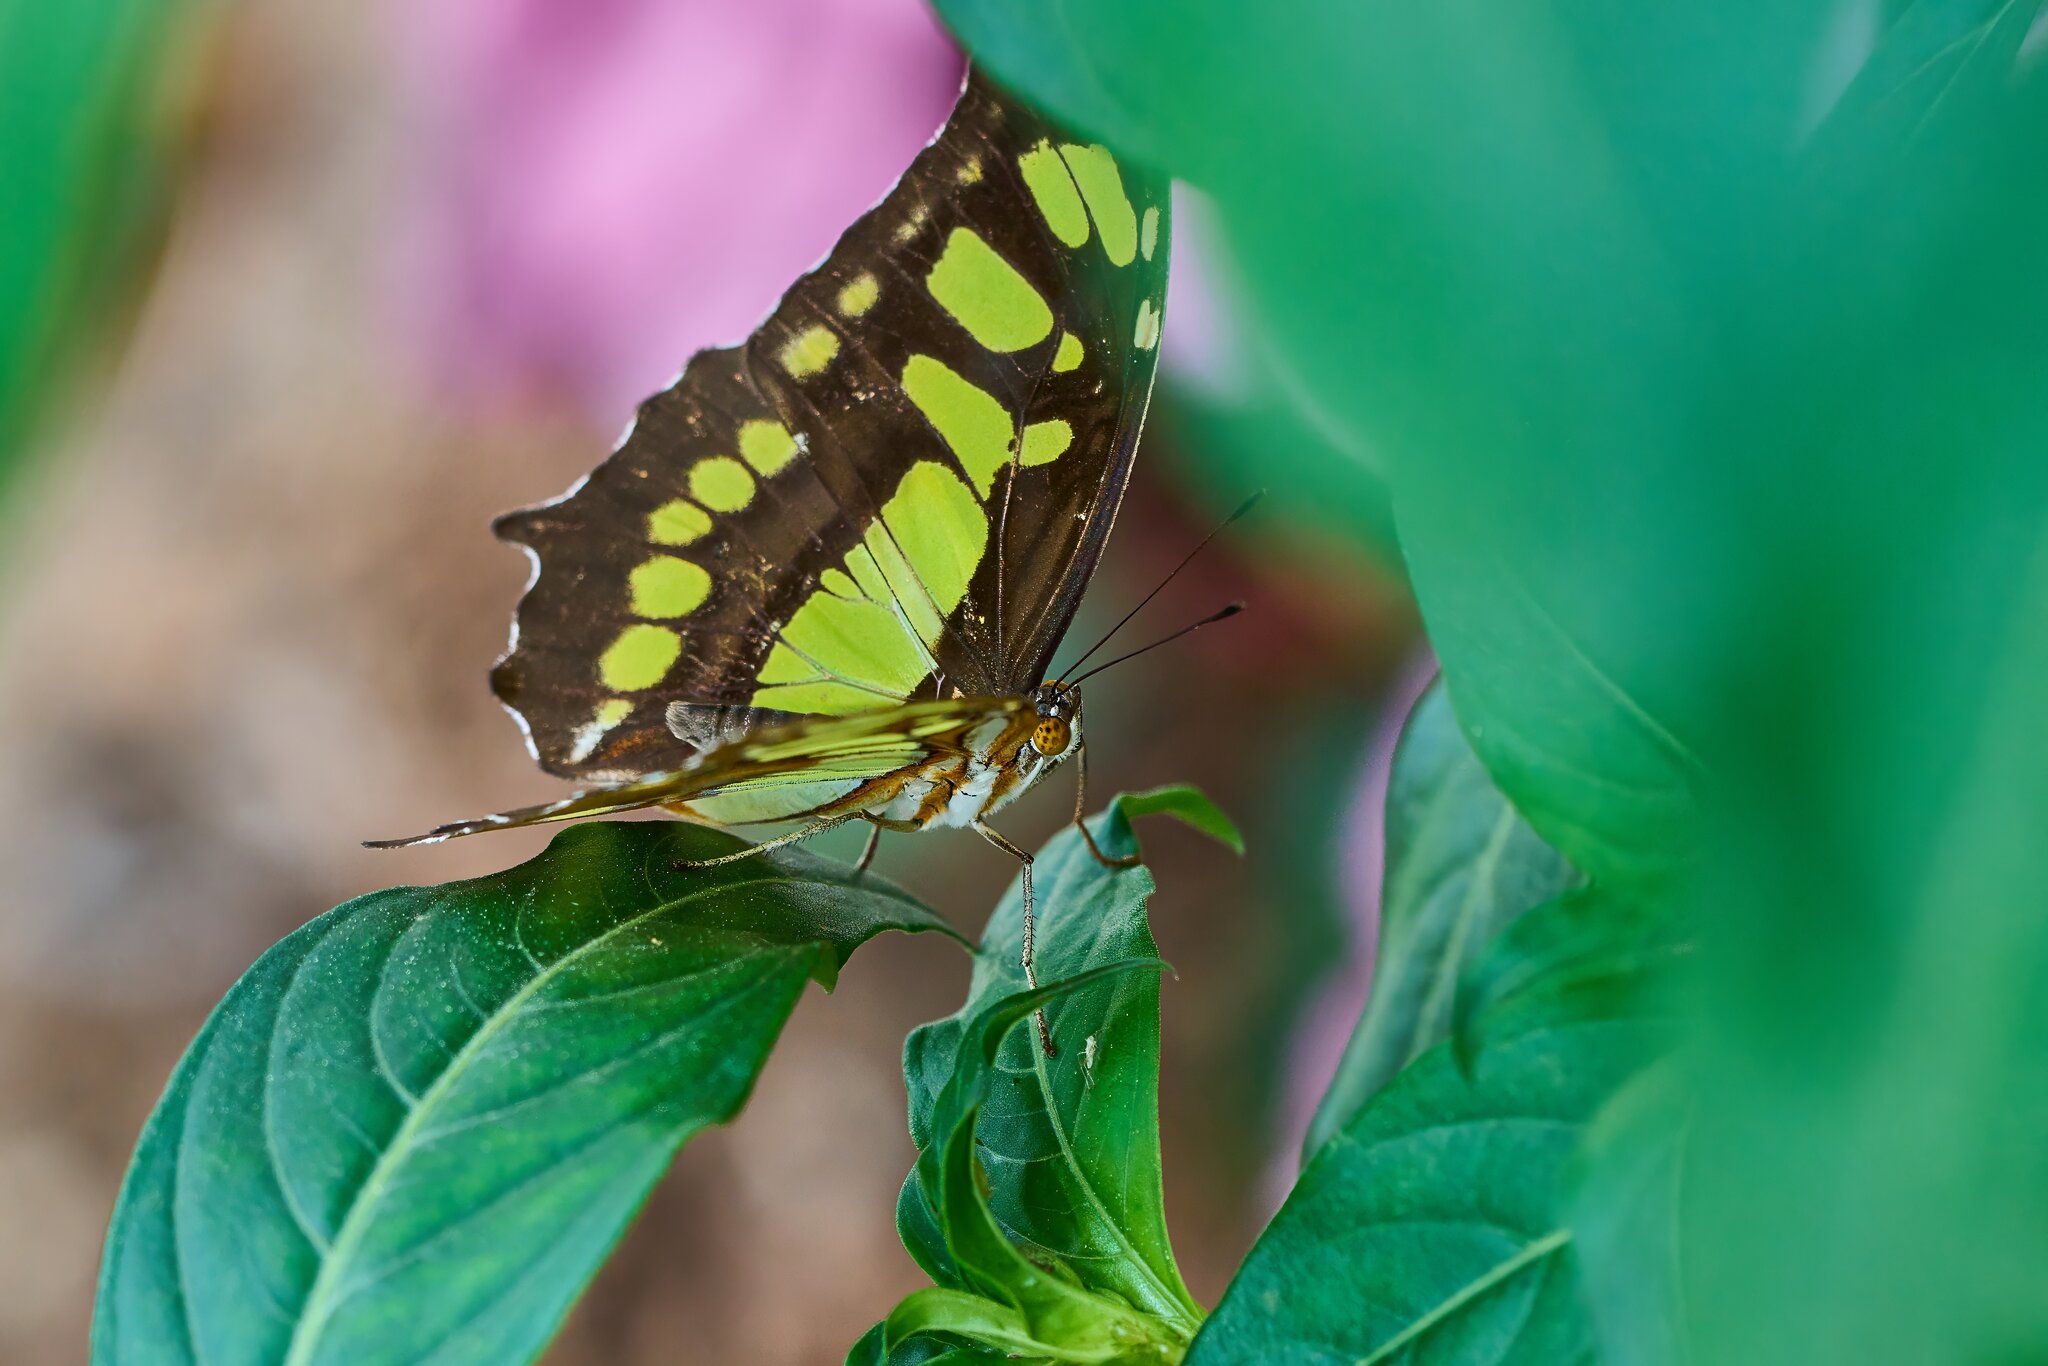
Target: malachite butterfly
[[823, 575]]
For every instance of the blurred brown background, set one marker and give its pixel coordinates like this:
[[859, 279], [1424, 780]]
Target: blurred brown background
[[245, 614]]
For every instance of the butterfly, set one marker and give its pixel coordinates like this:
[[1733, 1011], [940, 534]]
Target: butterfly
[[823, 575]]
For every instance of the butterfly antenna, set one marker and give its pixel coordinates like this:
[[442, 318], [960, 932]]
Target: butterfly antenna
[[1242, 508], [1189, 629]]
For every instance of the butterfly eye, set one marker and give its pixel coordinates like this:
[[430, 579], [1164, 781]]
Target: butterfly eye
[[1050, 736]]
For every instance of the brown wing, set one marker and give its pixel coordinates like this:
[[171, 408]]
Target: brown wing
[[896, 489]]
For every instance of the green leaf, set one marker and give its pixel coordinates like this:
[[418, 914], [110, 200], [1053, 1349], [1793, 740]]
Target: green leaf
[[1432, 1227], [1187, 805], [1587, 945], [1236, 400], [1623, 1194], [1026, 1306], [414, 1128], [1070, 1143], [873, 1350], [1560, 731], [938, 1310], [91, 134], [1460, 865]]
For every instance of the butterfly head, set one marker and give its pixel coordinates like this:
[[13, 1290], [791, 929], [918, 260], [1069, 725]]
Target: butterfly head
[[1059, 719]]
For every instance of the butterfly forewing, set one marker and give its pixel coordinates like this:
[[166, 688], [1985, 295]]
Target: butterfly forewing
[[896, 489]]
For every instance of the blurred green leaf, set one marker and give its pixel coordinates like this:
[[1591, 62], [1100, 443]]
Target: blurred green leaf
[[1584, 943], [1432, 1227], [1584, 762], [1224, 444], [1454, 254], [1715, 442], [1229, 399], [91, 136], [1460, 865], [416, 1126], [1622, 1198], [1070, 1143]]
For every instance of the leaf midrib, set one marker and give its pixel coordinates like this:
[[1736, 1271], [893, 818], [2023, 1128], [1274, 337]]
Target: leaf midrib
[[317, 1312], [1496, 1275], [1688, 762], [1170, 1305], [1441, 994]]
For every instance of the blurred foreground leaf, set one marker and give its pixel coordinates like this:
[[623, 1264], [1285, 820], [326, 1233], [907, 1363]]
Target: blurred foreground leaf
[[1460, 864], [1435, 211], [415, 1127], [1704, 346], [1584, 944], [1622, 1198], [91, 136]]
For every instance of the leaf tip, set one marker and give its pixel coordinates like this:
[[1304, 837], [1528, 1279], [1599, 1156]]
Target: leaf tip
[[1187, 804]]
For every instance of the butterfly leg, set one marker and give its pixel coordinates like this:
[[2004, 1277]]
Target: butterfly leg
[[814, 828], [1029, 956], [1080, 815], [867, 853], [880, 823]]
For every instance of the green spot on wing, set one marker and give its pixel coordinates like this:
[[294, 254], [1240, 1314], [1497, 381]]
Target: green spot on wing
[[1045, 441], [1069, 354], [1053, 190], [972, 421], [854, 641], [810, 351], [677, 522], [639, 658], [1146, 335], [858, 295], [818, 698], [665, 586], [987, 295], [940, 530], [1102, 185], [779, 802], [767, 446], [867, 632], [722, 483]]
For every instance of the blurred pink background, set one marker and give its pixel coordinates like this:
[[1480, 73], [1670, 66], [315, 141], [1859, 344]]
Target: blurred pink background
[[567, 156]]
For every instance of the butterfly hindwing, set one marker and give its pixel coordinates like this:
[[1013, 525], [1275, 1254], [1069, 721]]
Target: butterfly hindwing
[[796, 767], [896, 489], [647, 554]]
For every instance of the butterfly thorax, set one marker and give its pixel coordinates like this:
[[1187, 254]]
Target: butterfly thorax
[[1003, 757]]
